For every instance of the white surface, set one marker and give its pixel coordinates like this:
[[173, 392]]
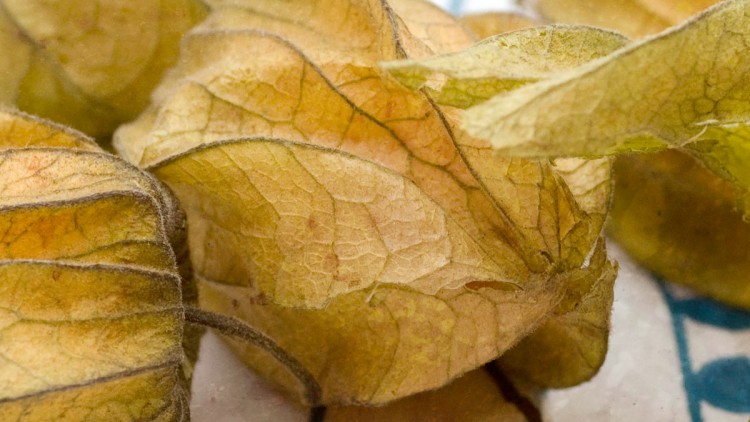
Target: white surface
[[473, 6], [641, 378], [224, 390]]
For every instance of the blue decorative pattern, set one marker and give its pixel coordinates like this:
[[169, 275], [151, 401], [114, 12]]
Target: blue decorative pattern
[[723, 382]]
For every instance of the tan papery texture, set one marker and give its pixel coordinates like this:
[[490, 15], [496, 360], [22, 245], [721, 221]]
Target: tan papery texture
[[89, 64], [91, 320], [347, 216]]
